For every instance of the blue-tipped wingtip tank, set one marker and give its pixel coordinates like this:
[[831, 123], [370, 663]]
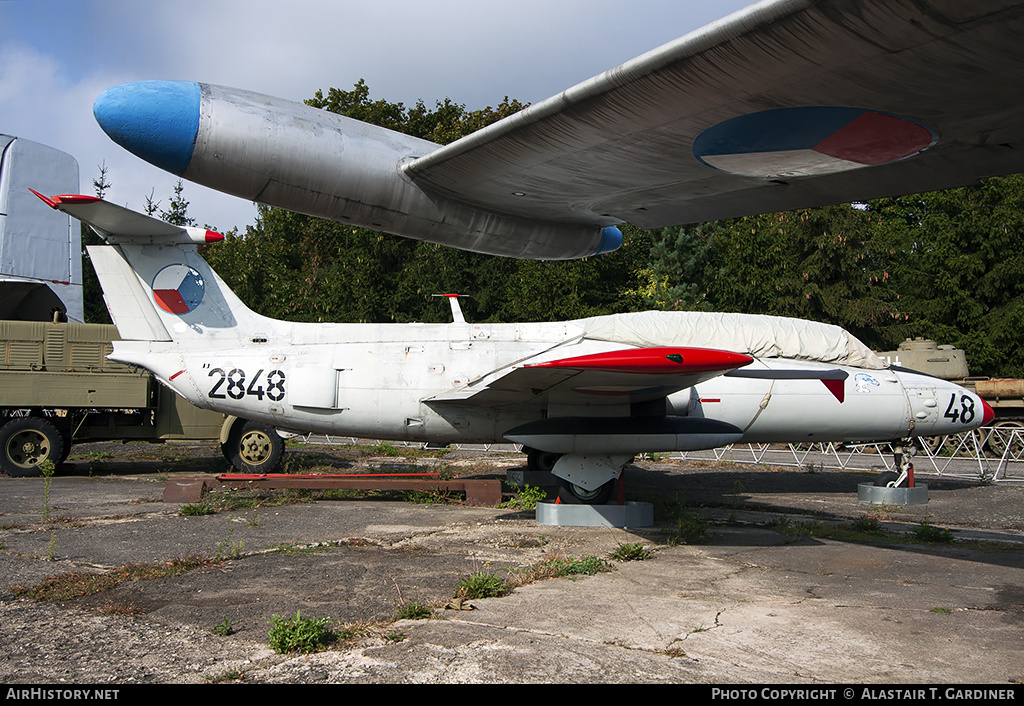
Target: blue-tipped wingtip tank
[[290, 155], [611, 240], [155, 120]]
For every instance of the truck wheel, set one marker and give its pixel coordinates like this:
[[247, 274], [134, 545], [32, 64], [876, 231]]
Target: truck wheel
[[25, 442], [254, 448]]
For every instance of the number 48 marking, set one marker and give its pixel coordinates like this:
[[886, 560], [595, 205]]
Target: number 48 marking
[[963, 414]]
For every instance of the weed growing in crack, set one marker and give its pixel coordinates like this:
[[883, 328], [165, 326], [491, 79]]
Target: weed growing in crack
[[300, 634]]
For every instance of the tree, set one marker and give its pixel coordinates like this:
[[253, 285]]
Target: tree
[[94, 308], [960, 270]]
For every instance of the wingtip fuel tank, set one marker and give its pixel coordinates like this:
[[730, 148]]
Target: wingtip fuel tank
[[155, 120], [300, 158]]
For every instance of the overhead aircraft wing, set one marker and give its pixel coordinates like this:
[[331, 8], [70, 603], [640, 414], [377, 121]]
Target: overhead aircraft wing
[[786, 104], [628, 376]]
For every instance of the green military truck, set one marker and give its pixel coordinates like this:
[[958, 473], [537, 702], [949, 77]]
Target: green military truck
[[57, 387]]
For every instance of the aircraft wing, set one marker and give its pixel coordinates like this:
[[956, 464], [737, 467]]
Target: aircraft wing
[[786, 104], [627, 376]]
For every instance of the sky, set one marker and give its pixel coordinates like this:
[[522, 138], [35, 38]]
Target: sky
[[57, 56]]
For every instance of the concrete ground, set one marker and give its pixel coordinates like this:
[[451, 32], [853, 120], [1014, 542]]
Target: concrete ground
[[751, 605]]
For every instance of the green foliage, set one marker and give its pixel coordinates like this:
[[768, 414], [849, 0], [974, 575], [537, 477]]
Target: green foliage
[[413, 611], [224, 627], [559, 566], [932, 535], [960, 269], [630, 552], [869, 525], [482, 585], [300, 634], [524, 499], [689, 529], [196, 509], [945, 265], [47, 469]]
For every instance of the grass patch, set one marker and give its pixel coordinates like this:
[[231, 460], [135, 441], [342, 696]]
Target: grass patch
[[932, 535], [239, 499], [433, 497], [558, 566], [483, 585], [66, 587], [196, 509], [224, 627], [688, 529], [414, 611], [869, 529], [630, 552], [385, 448]]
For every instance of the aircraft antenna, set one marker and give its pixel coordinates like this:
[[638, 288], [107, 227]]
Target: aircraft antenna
[[453, 301]]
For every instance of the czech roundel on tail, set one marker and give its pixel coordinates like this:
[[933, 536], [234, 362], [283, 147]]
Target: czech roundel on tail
[[785, 104]]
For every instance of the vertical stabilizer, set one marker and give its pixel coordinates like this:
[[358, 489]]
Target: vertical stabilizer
[[40, 251]]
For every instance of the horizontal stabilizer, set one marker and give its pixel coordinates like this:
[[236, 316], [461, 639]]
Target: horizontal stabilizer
[[121, 225]]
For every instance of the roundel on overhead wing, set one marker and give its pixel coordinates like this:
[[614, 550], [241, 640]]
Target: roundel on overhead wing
[[793, 142], [178, 289]]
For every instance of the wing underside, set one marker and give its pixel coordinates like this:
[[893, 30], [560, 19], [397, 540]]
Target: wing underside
[[786, 104]]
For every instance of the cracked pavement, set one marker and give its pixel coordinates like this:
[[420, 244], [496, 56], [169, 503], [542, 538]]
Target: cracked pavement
[[750, 606]]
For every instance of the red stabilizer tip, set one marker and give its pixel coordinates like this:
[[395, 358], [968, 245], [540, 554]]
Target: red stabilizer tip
[[76, 199], [46, 199]]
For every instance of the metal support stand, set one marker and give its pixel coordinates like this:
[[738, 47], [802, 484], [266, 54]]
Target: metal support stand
[[629, 514], [895, 492], [617, 513], [881, 495]]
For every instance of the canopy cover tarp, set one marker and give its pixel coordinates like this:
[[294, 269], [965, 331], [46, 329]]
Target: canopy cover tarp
[[756, 335]]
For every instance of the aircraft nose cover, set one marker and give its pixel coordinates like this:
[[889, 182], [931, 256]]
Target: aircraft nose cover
[[155, 120]]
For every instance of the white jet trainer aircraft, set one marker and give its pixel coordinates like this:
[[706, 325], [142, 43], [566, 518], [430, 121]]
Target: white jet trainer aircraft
[[786, 104], [583, 397]]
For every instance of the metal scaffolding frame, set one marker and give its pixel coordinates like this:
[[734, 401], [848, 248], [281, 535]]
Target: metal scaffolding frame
[[962, 456]]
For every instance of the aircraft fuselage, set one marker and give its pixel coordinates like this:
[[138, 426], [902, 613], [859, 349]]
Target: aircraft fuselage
[[383, 381]]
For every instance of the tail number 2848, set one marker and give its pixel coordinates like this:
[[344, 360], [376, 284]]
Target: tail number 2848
[[232, 384]]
